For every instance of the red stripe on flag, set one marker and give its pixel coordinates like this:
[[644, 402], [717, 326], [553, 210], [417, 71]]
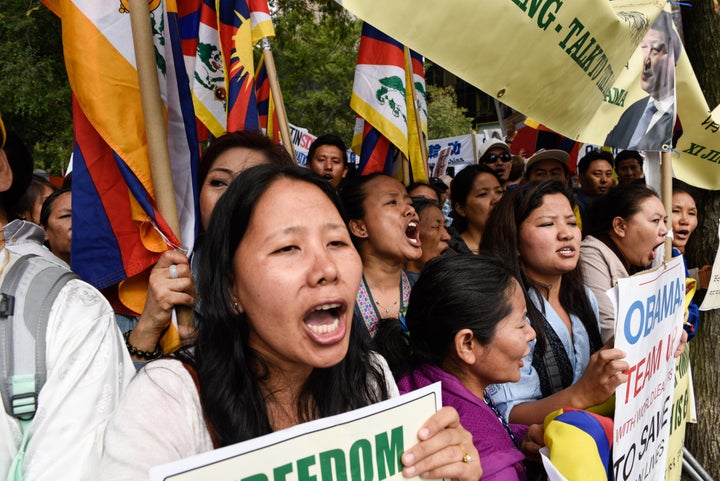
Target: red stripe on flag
[[113, 194], [377, 52]]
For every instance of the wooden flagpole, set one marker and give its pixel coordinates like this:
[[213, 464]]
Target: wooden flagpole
[[277, 98], [666, 189], [418, 119], [474, 144], [155, 132]]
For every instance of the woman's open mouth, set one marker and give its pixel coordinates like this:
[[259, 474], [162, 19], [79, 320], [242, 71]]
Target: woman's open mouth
[[412, 233], [682, 234], [325, 322]]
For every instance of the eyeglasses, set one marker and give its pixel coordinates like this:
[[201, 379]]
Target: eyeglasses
[[492, 158]]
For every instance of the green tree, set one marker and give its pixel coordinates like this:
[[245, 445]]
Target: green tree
[[315, 51], [445, 118], [35, 97], [701, 25]]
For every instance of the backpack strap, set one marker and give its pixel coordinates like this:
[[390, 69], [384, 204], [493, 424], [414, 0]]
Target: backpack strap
[[26, 298]]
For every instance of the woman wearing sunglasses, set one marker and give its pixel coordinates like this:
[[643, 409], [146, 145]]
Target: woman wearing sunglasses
[[496, 155]]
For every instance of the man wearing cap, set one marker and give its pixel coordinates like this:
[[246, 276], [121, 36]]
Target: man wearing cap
[[496, 154], [546, 164], [86, 364], [595, 176]]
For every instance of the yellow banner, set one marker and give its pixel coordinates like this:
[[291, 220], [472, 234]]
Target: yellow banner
[[699, 147], [552, 60], [682, 412], [697, 153], [573, 66]]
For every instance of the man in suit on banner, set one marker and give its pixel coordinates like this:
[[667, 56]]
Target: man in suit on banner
[[648, 123]]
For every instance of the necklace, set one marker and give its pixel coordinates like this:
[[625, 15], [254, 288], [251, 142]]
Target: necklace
[[369, 309], [492, 406], [387, 311]]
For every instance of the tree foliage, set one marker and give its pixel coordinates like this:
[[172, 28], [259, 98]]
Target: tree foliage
[[701, 25], [445, 118], [35, 97], [315, 51]]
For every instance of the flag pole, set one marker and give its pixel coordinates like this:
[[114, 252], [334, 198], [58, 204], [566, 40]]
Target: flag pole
[[418, 120], [666, 176], [405, 168], [155, 132], [277, 98], [474, 144]]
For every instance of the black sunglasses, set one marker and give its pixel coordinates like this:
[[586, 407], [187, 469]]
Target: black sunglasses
[[492, 158]]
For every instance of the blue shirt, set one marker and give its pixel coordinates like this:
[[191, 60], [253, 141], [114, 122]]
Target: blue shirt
[[527, 389]]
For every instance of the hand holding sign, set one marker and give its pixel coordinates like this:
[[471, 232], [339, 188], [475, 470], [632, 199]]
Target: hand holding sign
[[442, 449], [683, 341], [602, 376], [533, 441]]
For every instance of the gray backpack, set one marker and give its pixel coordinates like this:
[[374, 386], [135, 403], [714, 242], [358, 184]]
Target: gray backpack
[[26, 296]]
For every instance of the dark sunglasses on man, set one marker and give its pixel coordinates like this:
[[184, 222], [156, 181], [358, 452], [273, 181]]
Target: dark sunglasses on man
[[492, 158]]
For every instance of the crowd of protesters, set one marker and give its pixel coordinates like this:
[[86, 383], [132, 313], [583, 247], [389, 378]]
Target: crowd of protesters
[[318, 291]]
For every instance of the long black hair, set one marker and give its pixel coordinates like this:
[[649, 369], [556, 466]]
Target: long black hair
[[230, 373], [503, 238], [623, 201], [248, 139], [353, 199], [452, 293], [460, 189], [23, 207]]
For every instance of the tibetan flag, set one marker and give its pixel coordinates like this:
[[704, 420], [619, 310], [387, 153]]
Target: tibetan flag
[[579, 445], [118, 233], [266, 106], [204, 63], [377, 154], [217, 41], [236, 44], [262, 26], [534, 137], [383, 97], [417, 139]]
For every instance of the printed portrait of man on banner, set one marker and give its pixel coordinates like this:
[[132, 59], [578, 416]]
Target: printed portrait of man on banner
[[648, 123]]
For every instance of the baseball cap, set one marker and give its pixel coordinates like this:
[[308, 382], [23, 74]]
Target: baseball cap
[[547, 154], [489, 144]]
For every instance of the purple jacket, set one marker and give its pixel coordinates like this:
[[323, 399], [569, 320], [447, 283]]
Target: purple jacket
[[500, 459]]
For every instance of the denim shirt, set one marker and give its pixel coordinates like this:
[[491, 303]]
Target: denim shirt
[[527, 389]]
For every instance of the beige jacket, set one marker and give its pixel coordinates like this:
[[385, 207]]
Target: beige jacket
[[602, 268]]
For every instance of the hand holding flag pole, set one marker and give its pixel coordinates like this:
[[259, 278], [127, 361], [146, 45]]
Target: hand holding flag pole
[[157, 143]]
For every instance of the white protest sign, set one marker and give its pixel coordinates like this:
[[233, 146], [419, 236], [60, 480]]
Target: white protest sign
[[363, 444], [301, 140], [440, 167], [648, 327], [460, 156]]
